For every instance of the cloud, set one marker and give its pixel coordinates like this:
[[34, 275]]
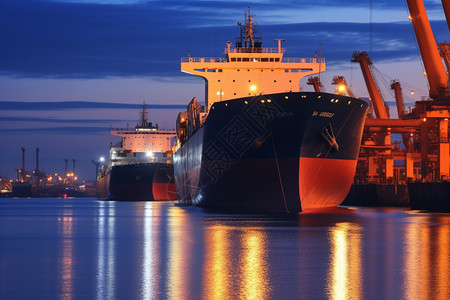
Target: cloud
[[75, 130], [49, 106], [62, 121], [87, 39]]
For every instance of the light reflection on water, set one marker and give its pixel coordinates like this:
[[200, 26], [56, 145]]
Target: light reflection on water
[[106, 251], [345, 271], [254, 269], [148, 255], [86, 249], [425, 267], [65, 223], [216, 274]]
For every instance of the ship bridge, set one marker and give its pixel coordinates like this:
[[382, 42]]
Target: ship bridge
[[249, 69]]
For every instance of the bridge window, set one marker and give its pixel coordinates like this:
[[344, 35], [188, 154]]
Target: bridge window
[[265, 59]]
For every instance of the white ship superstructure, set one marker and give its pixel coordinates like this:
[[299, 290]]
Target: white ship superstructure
[[145, 143], [248, 69], [140, 167]]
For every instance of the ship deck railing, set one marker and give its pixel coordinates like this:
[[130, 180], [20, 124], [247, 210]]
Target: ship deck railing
[[225, 60], [134, 131], [256, 50]]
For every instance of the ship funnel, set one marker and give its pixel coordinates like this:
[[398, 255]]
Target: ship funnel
[[22, 174], [37, 160]]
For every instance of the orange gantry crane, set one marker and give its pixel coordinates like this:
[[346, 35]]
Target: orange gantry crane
[[316, 83], [446, 5], [435, 150], [379, 106], [343, 87], [435, 71]]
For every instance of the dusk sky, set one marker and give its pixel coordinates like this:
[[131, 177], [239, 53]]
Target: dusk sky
[[70, 69]]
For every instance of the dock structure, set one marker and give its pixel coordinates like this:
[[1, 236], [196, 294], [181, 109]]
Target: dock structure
[[419, 172]]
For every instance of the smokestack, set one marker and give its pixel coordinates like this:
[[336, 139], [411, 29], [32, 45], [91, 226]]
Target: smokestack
[[37, 160], [65, 160], [73, 166], [97, 164], [22, 173]]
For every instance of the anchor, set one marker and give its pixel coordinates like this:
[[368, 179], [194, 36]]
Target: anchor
[[328, 135]]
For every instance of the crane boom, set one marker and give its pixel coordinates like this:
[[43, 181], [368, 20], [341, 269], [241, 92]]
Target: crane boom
[[341, 82], [436, 75], [316, 83], [444, 48], [446, 5], [379, 106], [395, 85]]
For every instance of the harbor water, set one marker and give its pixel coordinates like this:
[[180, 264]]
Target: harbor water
[[82, 248]]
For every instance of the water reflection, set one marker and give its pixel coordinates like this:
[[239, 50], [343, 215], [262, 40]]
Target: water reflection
[[427, 260], [255, 279], [148, 277], [180, 255], [344, 280], [161, 251], [216, 274], [236, 265], [106, 259], [65, 224]]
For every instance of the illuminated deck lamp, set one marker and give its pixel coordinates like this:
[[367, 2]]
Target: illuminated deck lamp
[[341, 89], [253, 89]]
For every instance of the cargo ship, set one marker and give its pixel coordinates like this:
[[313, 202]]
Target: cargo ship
[[259, 144], [140, 168]]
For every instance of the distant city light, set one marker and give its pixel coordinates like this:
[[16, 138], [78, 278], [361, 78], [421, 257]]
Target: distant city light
[[102, 159]]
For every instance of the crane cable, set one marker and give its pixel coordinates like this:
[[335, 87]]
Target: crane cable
[[276, 161]]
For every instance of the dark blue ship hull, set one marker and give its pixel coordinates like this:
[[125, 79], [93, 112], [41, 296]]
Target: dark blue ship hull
[[278, 153], [138, 182]]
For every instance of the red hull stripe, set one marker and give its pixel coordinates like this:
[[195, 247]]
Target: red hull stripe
[[324, 182], [164, 191]]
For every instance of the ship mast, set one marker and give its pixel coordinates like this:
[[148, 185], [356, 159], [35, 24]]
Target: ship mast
[[143, 117], [248, 39], [249, 30]]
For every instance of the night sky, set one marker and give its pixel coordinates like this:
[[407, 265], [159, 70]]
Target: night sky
[[70, 69]]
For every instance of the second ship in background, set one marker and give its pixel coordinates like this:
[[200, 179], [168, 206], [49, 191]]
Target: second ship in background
[[140, 168]]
